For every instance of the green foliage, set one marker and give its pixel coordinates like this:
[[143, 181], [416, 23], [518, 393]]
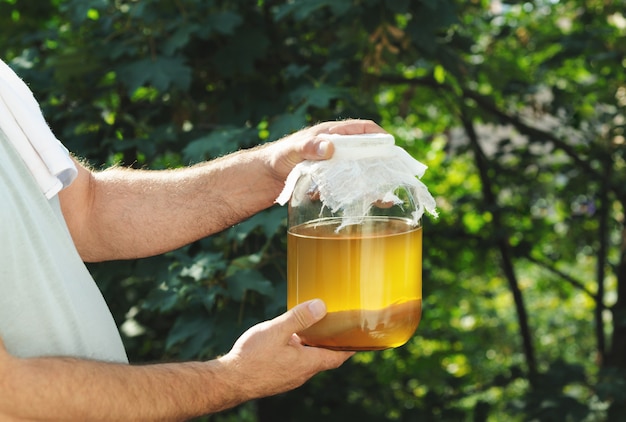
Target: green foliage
[[517, 108]]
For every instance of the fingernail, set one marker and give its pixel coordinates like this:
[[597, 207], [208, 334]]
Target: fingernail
[[317, 308], [322, 148]]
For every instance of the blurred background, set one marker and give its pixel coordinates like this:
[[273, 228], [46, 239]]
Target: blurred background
[[516, 107]]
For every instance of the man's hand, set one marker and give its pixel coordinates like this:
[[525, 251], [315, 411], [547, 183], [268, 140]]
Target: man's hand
[[305, 145], [269, 358]]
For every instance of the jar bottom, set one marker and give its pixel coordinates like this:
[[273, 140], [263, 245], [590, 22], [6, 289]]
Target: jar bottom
[[360, 330]]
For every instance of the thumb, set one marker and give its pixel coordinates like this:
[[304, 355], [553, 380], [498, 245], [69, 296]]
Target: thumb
[[302, 316], [317, 149]]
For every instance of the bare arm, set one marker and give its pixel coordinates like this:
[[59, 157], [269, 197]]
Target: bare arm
[[121, 213], [268, 359]]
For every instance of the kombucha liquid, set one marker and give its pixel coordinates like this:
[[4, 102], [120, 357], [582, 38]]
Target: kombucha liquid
[[369, 275]]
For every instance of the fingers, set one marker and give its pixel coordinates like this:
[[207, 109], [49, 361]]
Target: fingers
[[333, 359], [302, 316], [321, 149], [271, 358], [355, 127], [303, 145], [317, 149], [322, 359]]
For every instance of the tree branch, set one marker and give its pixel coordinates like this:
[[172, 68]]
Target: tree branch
[[502, 242], [603, 238], [488, 105], [566, 277]]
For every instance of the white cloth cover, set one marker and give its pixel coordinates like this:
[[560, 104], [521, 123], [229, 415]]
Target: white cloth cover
[[364, 169]]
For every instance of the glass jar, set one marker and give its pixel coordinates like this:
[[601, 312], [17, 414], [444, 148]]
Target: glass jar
[[365, 265]]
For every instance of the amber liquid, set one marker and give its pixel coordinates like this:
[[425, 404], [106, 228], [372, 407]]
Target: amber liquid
[[369, 276]]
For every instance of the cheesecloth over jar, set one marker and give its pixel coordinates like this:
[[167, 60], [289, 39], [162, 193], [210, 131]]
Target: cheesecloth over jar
[[364, 170]]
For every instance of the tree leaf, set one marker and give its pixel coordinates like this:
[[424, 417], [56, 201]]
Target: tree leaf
[[248, 279], [269, 221], [161, 72], [214, 144], [188, 326]]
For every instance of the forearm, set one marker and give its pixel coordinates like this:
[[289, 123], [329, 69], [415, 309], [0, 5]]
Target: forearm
[[142, 213], [118, 214], [161, 211], [71, 389]]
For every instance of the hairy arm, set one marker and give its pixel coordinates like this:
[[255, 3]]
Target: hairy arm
[[268, 359], [121, 213]]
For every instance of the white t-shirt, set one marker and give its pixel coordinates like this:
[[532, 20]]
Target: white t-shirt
[[49, 303]]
